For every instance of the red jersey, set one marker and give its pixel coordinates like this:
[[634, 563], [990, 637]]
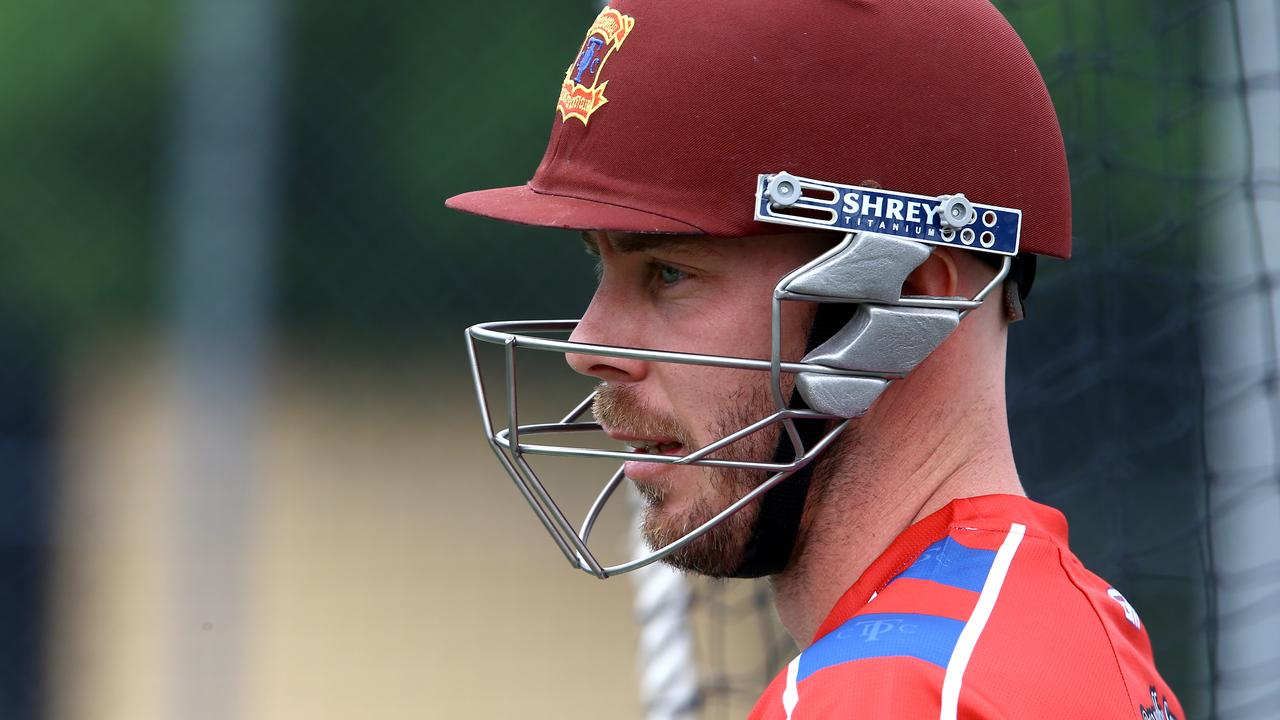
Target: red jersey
[[978, 611]]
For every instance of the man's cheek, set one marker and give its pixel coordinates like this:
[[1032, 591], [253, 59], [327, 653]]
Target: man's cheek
[[698, 399], [797, 321]]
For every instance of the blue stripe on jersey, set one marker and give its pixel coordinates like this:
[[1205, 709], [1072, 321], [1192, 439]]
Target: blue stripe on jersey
[[926, 637], [950, 563]]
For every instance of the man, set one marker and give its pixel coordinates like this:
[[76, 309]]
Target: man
[[812, 387]]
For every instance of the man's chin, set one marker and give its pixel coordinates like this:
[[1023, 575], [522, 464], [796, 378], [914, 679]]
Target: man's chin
[[716, 553]]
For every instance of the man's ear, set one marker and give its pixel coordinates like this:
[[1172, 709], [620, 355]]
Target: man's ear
[[938, 276]]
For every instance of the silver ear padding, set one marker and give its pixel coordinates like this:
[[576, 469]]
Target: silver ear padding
[[884, 339], [888, 335], [839, 396], [871, 267]]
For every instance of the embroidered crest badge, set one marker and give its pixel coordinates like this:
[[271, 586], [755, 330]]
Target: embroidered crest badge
[[583, 92]]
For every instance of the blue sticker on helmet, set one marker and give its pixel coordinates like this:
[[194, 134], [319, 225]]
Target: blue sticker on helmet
[[852, 208]]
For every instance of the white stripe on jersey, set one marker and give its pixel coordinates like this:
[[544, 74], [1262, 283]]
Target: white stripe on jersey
[[977, 621], [791, 695]]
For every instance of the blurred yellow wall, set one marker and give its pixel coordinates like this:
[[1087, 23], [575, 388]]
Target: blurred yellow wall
[[392, 571]]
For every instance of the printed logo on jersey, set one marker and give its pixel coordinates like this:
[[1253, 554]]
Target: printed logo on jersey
[[1159, 709], [1129, 613], [583, 92], [874, 635], [871, 629]]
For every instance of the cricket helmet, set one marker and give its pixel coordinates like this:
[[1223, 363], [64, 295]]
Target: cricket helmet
[[730, 119]]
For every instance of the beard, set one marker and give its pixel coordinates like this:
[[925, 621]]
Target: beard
[[719, 551]]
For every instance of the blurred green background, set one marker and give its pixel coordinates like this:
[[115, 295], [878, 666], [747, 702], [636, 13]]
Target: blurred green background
[[376, 113]]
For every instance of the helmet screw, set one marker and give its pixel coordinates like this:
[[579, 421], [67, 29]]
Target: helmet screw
[[955, 211], [783, 189]]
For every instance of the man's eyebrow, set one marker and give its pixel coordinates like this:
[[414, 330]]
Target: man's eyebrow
[[646, 242]]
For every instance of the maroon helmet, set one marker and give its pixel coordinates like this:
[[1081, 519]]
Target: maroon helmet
[[670, 111]]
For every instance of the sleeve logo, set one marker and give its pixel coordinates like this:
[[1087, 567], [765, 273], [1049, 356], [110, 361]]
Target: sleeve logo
[[1129, 613], [582, 92], [1159, 709]]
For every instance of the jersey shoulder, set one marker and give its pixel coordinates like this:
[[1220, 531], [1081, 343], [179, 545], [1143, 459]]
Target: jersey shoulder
[[891, 658], [989, 622], [888, 686]]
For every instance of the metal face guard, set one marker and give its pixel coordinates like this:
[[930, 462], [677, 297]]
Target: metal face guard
[[887, 337]]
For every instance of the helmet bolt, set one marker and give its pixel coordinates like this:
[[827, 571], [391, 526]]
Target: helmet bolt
[[955, 211], [783, 189]]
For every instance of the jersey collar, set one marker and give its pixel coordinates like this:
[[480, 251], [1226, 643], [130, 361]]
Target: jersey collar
[[984, 512]]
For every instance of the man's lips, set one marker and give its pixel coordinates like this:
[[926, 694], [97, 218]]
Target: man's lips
[[647, 445], [645, 471]]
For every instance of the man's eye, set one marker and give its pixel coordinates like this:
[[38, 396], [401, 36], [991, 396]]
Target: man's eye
[[669, 275]]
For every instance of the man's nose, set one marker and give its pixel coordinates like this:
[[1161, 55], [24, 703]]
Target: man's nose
[[600, 327]]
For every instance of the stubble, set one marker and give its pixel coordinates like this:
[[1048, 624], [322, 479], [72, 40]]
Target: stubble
[[718, 552]]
